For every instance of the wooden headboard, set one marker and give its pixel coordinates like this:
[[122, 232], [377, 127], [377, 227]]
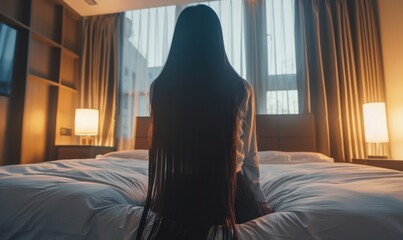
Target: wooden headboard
[[286, 132], [274, 132]]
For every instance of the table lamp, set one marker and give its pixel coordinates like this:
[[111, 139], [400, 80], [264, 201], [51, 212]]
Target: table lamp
[[376, 130], [86, 125]]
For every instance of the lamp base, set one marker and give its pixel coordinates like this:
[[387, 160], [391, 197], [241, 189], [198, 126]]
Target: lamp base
[[86, 140]]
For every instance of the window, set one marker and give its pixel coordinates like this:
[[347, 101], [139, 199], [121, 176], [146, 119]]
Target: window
[[282, 102], [147, 37], [282, 93], [149, 34]]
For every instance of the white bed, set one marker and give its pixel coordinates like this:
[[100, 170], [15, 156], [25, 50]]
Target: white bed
[[102, 199]]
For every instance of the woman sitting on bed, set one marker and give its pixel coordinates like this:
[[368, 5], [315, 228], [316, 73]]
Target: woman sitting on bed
[[203, 169]]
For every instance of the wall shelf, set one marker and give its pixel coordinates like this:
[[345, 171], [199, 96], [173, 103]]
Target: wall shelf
[[69, 88], [12, 22], [70, 53], [44, 80], [41, 38]]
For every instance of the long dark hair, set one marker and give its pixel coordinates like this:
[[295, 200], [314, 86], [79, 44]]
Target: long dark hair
[[194, 108]]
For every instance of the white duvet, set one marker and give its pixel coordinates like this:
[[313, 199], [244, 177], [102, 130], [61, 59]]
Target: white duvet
[[102, 199]]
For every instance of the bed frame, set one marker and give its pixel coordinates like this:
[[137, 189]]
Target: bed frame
[[274, 132]]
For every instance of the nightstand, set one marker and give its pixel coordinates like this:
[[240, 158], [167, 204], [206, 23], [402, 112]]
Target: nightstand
[[383, 163], [81, 151]]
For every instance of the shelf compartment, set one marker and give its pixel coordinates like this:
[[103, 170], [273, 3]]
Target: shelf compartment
[[72, 30], [41, 79], [18, 10], [69, 70], [44, 60], [48, 19]]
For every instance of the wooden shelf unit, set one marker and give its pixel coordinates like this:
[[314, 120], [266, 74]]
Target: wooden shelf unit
[[46, 80]]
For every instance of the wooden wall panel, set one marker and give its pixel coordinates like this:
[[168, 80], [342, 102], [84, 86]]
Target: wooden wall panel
[[35, 125], [67, 103], [142, 127], [142, 132], [390, 19], [297, 144], [274, 132], [270, 126], [3, 124], [301, 125]]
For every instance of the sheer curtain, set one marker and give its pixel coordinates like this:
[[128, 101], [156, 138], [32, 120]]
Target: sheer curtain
[[282, 91], [256, 51], [146, 39], [260, 50]]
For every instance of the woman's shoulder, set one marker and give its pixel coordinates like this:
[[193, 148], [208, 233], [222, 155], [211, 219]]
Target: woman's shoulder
[[248, 87]]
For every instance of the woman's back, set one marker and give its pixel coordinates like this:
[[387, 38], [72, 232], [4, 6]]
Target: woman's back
[[194, 108]]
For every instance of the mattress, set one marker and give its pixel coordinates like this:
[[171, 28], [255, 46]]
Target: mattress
[[102, 199]]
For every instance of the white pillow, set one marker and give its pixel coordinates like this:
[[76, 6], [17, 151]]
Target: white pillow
[[280, 157], [139, 154], [309, 157], [273, 157]]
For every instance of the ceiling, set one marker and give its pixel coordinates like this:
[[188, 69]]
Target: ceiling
[[114, 6]]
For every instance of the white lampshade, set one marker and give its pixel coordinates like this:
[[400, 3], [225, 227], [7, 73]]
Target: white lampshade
[[86, 122], [376, 129]]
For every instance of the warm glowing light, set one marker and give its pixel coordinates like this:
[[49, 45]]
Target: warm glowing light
[[86, 122], [376, 129]]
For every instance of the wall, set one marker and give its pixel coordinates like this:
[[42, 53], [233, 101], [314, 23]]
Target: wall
[[391, 17], [3, 122]]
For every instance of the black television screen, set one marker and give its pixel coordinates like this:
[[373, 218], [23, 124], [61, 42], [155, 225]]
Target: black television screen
[[8, 38]]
